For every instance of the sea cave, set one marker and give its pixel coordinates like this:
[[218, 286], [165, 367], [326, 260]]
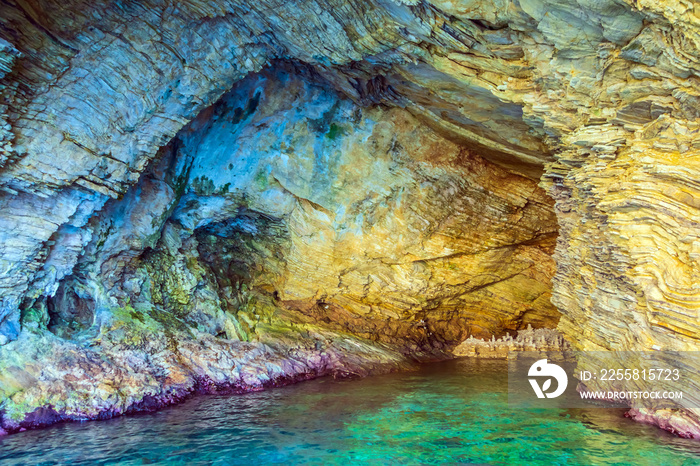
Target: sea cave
[[367, 231]]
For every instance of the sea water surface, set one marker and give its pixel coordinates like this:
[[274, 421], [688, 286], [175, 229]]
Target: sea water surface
[[454, 412]]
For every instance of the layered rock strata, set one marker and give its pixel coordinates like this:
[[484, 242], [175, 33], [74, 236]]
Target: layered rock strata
[[601, 97], [627, 206], [285, 233]]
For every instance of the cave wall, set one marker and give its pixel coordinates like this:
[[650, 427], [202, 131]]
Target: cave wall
[[600, 96], [361, 217], [285, 233], [385, 220]]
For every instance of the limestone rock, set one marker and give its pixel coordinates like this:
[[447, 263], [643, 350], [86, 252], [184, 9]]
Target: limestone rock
[[542, 339], [284, 209], [101, 206]]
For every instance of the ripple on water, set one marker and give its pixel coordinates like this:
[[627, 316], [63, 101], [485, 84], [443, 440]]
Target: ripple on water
[[448, 413]]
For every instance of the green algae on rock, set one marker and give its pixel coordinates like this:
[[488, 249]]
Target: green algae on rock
[[378, 179], [337, 240]]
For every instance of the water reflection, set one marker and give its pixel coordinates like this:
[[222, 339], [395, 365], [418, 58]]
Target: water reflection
[[448, 413]]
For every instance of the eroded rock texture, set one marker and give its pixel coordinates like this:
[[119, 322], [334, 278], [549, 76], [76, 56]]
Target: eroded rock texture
[[377, 180], [285, 233]]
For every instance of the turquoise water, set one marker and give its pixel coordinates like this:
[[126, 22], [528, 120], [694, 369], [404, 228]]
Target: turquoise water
[[448, 413]]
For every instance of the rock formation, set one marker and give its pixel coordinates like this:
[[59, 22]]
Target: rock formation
[[296, 188], [531, 340]]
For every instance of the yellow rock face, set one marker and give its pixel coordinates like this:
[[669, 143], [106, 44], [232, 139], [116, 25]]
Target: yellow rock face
[[286, 233], [394, 232], [385, 228]]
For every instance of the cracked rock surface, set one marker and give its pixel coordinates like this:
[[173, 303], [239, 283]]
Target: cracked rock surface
[[239, 171], [288, 226]]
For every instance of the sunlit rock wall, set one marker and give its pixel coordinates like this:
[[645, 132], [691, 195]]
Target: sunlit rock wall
[[288, 228], [383, 227], [626, 191], [600, 96], [362, 218]]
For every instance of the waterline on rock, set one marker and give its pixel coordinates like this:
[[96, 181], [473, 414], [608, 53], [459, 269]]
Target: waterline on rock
[[450, 412]]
